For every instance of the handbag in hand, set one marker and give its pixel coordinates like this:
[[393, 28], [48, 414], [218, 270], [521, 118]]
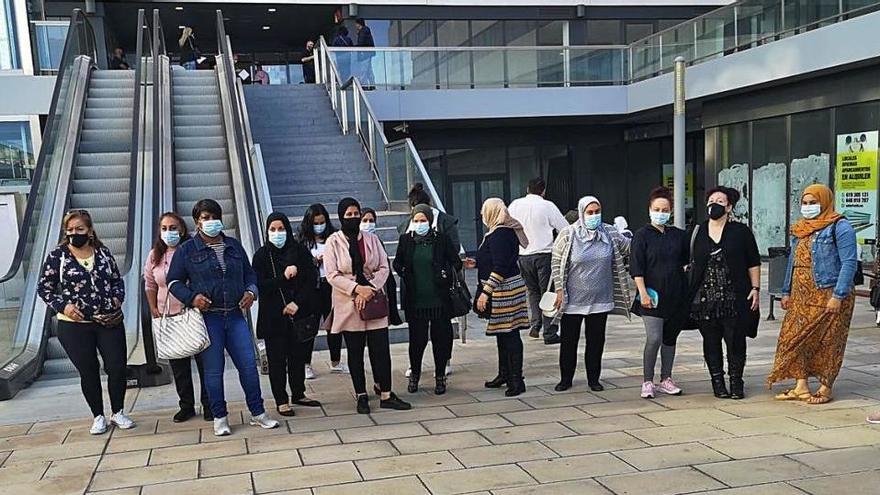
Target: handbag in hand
[[182, 335], [109, 320], [305, 329], [459, 296], [376, 308], [547, 305]]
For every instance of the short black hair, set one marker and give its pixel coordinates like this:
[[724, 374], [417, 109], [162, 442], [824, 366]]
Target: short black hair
[[360, 21], [207, 205], [731, 193], [660, 193], [536, 186]]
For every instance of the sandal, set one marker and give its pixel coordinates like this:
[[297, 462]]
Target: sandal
[[791, 394], [817, 399], [285, 410]]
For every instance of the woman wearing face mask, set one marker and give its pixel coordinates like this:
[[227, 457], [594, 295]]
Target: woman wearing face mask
[[657, 259], [591, 282], [357, 268], [313, 233], [81, 283], [724, 290], [818, 297], [172, 232], [288, 281], [370, 223], [425, 261], [211, 272]]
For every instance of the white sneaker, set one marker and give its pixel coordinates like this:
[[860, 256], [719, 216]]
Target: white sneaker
[[448, 369], [221, 427], [264, 421], [408, 372], [99, 425], [122, 421], [340, 368], [310, 372]]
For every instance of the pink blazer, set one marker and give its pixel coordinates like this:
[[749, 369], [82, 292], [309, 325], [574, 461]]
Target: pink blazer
[[337, 263]]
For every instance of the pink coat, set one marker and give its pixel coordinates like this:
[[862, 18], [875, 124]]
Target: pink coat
[[337, 263]]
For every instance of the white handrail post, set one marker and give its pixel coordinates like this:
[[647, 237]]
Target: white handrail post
[[344, 111]]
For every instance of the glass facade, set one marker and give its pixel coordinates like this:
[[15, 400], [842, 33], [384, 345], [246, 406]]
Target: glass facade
[[9, 58], [50, 37], [16, 153]]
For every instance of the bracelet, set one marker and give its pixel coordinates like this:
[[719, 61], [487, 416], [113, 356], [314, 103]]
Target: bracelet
[[756, 289]]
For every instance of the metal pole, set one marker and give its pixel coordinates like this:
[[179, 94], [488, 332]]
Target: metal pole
[[678, 140]]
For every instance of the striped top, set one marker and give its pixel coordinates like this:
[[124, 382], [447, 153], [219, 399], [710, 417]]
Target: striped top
[[218, 250]]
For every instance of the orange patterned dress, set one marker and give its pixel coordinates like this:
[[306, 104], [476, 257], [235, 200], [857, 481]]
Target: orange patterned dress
[[811, 342]]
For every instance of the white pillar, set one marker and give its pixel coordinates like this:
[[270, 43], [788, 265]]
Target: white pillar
[[678, 140]]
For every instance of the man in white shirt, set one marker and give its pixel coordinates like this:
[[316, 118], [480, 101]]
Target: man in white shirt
[[539, 218]]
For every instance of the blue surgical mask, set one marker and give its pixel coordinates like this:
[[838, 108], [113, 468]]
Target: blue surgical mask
[[368, 227], [212, 228], [592, 222], [171, 238], [421, 228], [319, 228], [811, 211], [659, 217], [278, 238]]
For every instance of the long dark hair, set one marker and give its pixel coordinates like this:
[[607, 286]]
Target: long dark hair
[[86, 218], [307, 226], [159, 246]]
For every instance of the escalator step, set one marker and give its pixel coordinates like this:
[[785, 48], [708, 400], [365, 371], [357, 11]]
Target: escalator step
[[197, 120], [112, 84], [196, 167], [124, 111], [190, 100], [103, 159], [113, 74], [204, 179], [117, 135], [58, 368], [105, 124], [206, 142], [101, 185], [108, 102], [99, 173], [200, 154], [218, 193], [195, 90], [196, 110], [198, 131], [96, 201], [124, 92]]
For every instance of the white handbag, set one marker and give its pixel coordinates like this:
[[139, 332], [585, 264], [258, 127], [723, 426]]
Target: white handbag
[[548, 302], [180, 336]]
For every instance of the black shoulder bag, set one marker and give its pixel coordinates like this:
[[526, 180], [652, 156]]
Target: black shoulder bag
[[305, 329]]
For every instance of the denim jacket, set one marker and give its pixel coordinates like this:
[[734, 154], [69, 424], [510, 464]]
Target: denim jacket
[[832, 266], [196, 270]]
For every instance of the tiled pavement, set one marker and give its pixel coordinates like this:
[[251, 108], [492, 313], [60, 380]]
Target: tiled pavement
[[473, 440]]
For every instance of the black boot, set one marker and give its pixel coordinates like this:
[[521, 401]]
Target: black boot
[[503, 372], [718, 386], [413, 385], [440, 385], [735, 368], [515, 385]]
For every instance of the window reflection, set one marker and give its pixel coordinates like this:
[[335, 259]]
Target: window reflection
[[16, 153], [8, 46]]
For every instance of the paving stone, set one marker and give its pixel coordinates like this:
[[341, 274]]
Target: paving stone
[[305, 477], [837, 438], [14, 430], [124, 460], [4, 456], [842, 461], [516, 434], [757, 471], [562, 400], [665, 435], [443, 441], [56, 452], [759, 446], [688, 417], [291, 442], [246, 431], [72, 467], [23, 472], [409, 485], [298, 425], [595, 443], [135, 490], [665, 482], [472, 480], [153, 441], [620, 408], [411, 416], [471, 423], [405, 465], [493, 395], [384, 432], [32, 441], [578, 467], [670, 456], [168, 455], [239, 484], [768, 489], [832, 418], [579, 487], [556, 415], [609, 424], [67, 485], [347, 452], [503, 454], [762, 426], [483, 408], [149, 475], [866, 482], [240, 464]]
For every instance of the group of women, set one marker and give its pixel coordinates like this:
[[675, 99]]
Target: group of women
[[708, 279]]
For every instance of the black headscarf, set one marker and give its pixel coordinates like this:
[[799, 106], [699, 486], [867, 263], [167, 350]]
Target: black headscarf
[[286, 222], [429, 214], [351, 228]]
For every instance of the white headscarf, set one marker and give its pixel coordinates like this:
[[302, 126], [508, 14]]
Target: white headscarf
[[581, 229]]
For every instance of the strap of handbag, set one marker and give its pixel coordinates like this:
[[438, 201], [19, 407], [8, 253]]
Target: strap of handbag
[[693, 241], [275, 274]]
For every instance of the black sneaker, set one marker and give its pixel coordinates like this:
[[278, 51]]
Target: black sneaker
[[552, 340], [394, 402], [535, 333], [184, 415], [207, 415], [363, 404]]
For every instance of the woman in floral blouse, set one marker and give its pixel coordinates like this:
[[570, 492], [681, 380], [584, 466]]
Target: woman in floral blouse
[[81, 283]]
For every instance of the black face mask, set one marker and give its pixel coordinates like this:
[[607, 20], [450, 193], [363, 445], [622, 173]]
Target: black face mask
[[351, 226], [716, 211], [78, 240]]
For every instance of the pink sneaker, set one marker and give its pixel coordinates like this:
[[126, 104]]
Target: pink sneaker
[[874, 418], [648, 390], [668, 386]]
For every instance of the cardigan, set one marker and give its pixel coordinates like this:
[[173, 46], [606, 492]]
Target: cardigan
[[740, 254], [301, 289], [497, 258], [154, 281], [445, 257], [337, 263]]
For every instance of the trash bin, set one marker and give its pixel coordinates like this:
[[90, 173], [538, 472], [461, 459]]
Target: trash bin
[[777, 264]]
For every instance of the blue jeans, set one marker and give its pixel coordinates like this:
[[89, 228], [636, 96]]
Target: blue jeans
[[190, 65], [230, 331]]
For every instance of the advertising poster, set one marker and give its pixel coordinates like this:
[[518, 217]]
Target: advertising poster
[[669, 182], [856, 181]]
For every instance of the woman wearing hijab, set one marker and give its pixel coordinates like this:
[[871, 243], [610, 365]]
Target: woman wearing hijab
[[288, 280], [724, 290], [818, 297], [357, 268], [502, 294], [588, 272], [425, 261]]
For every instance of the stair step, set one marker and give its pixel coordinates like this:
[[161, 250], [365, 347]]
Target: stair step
[[203, 179], [101, 185], [199, 155], [105, 74], [123, 112], [201, 143], [103, 159], [104, 146], [107, 124], [109, 102], [198, 131], [197, 120], [187, 167], [190, 100], [182, 110], [100, 173]]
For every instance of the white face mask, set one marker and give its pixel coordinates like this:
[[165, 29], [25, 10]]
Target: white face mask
[[368, 227], [278, 239], [659, 217], [171, 238], [811, 211]]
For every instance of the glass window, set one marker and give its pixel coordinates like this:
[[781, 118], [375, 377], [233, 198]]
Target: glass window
[[521, 33], [8, 45], [603, 32], [453, 33], [16, 152], [50, 37], [522, 66], [385, 33], [487, 33], [475, 161], [770, 159], [733, 165], [523, 162], [638, 30], [811, 151]]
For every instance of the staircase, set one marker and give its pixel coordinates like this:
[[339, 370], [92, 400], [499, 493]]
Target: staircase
[[101, 179], [307, 157], [201, 160]]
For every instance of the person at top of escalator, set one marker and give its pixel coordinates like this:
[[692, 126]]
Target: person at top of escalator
[[211, 272], [80, 282], [189, 52]]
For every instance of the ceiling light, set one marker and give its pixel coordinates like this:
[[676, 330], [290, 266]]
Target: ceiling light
[[179, 7], [181, 27], [266, 28], [272, 9]]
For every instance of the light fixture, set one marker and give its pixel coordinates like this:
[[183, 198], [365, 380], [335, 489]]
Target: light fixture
[[266, 28], [181, 27], [272, 9], [179, 7]]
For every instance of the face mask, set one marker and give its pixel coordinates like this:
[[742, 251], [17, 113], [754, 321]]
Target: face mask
[[78, 240], [716, 211], [212, 228], [171, 238], [351, 226], [319, 228], [278, 239], [421, 228], [659, 217], [592, 222], [811, 211], [368, 227]]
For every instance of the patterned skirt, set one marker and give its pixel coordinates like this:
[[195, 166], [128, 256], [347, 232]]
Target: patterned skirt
[[510, 308]]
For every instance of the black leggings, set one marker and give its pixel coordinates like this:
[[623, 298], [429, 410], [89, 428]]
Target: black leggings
[[380, 358], [440, 332], [729, 331], [570, 330], [82, 342], [286, 359], [334, 340], [181, 370]]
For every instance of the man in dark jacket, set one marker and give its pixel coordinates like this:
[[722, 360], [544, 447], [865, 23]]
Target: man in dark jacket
[[365, 58], [343, 59]]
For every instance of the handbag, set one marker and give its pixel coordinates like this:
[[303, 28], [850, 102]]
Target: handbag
[[306, 328], [548, 301], [182, 335], [376, 308], [459, 296], [109, 320]]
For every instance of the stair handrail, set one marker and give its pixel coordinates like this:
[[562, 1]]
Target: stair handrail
[[262, 196]]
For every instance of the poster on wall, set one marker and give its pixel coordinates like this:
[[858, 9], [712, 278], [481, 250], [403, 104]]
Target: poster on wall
[[669, 182], [737, 177], [855, 179]]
